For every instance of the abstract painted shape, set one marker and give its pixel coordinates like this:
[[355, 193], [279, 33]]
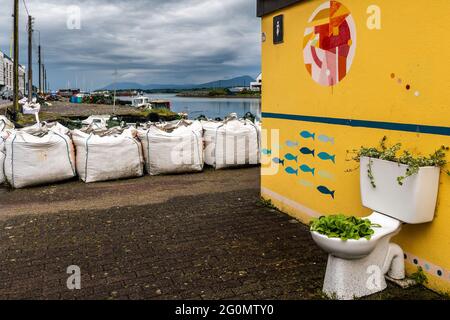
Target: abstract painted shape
[[291, 170], [291, 157], [326, 139], [308, 135], [326, 191], [290, 143], [329, 43], [278, 161], [326, 156], [307, 151], [306, 183], [325, 174], [307, 169], [266, 152]]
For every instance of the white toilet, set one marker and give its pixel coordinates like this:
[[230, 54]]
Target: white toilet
[[357, 268]]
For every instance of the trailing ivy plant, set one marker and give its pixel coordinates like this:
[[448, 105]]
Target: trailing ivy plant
[[343, 227], [391, 153]]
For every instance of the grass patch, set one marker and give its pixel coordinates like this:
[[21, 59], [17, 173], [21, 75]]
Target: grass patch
[[141, 116], [267, 203]]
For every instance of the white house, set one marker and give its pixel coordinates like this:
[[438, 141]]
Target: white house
[[257, 85], [238, 89], [6, 74]]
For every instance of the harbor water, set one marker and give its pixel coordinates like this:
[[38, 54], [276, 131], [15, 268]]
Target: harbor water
[[211, 107]]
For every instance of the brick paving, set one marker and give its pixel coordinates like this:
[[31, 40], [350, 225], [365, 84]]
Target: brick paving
[[216, 244]]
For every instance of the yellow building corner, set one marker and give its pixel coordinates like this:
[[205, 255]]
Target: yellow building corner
[[387, 77]]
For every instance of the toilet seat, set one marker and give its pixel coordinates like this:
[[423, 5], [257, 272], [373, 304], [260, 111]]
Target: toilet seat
[[388, 225], [357, 249]]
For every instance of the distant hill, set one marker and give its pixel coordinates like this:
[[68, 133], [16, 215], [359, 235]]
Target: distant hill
[[243, 81], [123, 86]]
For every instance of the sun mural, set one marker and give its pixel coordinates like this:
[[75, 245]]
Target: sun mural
[[329, 43]]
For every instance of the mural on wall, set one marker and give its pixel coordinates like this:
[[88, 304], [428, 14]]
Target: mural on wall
[[329, 43], [305, 163]]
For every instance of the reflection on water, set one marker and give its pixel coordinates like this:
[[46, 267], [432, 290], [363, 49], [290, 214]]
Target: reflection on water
[[211, 107]]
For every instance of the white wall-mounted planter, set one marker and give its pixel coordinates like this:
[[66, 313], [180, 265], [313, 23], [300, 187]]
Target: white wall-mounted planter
[[412, 203]]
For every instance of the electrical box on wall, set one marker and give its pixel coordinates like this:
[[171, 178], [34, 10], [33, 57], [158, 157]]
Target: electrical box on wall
[[278, 29]]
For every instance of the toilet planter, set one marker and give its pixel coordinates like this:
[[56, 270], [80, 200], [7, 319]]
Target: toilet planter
[[399, 188], [414, 201], [399, 183]]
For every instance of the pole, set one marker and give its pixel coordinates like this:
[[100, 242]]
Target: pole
[[45, 79], [40, 67], [16, 60], [30, 58]]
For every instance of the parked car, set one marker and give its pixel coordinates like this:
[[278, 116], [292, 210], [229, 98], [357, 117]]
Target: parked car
[[9, 95]]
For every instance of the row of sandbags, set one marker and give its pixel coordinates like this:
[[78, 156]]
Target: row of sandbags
[[49, 153]]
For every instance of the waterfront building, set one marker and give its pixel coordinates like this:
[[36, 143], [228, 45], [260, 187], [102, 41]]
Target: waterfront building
[[7, 74], [256, 85], [239, 89]]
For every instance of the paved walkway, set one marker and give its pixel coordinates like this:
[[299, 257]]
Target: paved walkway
[[203, 236]]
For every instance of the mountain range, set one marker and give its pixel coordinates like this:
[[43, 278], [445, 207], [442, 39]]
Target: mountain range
[[243, 81]]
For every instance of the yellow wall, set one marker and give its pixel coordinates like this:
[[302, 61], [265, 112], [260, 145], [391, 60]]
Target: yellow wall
[[412, 44]]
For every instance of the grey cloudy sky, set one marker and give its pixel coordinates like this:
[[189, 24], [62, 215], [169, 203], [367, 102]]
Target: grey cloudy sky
[[148, 41]]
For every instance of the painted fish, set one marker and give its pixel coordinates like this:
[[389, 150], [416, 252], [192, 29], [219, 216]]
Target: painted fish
[[290, 143], [307, 151], [326, 191], [278, 161], [326, 156], [325, 174], [326, 139], [266, 152], [291, 157], [308, 135], [292, 171], [306, 183], [307, 169]]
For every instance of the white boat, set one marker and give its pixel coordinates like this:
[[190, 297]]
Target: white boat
[[141, 102]]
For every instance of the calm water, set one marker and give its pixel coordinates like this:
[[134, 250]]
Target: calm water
[[212, 108]]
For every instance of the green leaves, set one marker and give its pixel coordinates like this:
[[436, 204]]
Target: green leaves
[[414, 163], [420, 277], [343, 227]]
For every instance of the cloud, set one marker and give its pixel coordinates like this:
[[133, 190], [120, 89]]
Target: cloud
[[147, 41]]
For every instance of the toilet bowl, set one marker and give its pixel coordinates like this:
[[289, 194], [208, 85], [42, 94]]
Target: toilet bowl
[[357, 268], [357, 249]]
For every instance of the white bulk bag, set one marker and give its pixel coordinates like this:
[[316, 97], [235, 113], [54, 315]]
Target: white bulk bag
[[2, 162], [109, 156], [179, 151], [5, 124], [231, 143], [3, 137], [39, 155], [259, 127], [96, 123]]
